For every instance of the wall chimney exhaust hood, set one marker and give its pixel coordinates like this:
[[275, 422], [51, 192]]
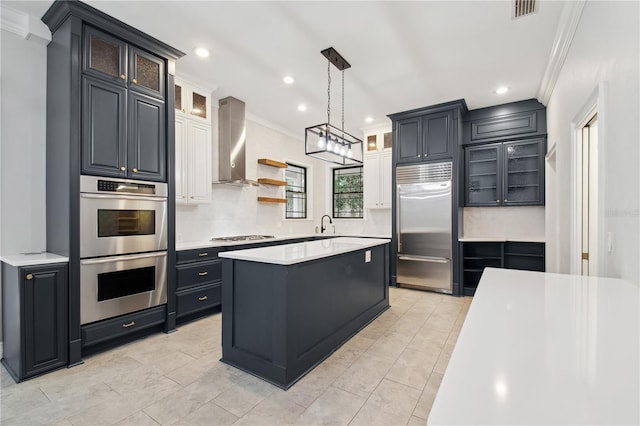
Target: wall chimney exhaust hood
[[232, 134]]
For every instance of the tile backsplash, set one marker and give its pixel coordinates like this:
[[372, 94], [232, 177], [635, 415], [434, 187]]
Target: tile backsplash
[[525, 222]]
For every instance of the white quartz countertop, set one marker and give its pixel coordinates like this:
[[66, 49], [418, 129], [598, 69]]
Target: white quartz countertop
[[289, 254], [33, 259], [541, 348], [208, 243], [502, 239]]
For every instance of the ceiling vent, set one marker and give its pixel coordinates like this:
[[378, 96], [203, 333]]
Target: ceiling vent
[[524, 7]]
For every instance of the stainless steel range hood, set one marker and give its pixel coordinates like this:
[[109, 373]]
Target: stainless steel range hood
[[231, 142]]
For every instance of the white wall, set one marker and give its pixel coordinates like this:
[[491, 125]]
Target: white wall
[[22, 144], [605, 49], [521, 223], [236, 211]]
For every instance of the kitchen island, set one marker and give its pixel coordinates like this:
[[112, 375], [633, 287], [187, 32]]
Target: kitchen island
[[288, 307], [541, 348]]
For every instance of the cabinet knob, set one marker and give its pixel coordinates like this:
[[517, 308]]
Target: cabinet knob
[[418, 155], [122, 76], [134, 81], [129, 324], [192, 197], [134, 170], [203, 298], [183, 110], [506, 201], [498, 201], [123, 168], [29, 276]]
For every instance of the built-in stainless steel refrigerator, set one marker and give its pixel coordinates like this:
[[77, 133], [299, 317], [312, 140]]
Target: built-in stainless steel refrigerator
[[423, 218]]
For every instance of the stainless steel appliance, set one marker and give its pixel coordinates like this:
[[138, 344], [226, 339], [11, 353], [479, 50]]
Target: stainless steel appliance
[[116, 285], [123, 246], [424, 226], [119, 216]]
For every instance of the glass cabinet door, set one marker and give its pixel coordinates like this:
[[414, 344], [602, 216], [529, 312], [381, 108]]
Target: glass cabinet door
[[199, 105], [483, 185], [523, 175], [372, 142], [147, 73], [105, 56], [179, 98]]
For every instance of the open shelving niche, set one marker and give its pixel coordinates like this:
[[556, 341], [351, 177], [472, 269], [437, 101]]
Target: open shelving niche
[[271, 181]]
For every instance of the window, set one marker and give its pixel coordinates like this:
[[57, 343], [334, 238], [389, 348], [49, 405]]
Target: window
[[347, 192], [296, 177]]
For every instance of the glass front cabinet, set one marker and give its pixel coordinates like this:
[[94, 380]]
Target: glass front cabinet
[[505, 173]]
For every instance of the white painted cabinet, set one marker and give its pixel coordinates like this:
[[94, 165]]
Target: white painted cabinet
[[193, 161], [377, 168], [377, 180]]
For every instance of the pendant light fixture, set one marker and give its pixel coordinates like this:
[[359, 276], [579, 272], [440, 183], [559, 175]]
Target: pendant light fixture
[[325, 141]]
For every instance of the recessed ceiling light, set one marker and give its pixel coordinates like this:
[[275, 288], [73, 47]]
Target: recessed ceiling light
[[288, 79], [202, 52], [302, 107], [369, 119], [502, 90]]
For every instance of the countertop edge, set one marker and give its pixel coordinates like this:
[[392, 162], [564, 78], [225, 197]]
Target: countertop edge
[[252, 254], [33, 259]]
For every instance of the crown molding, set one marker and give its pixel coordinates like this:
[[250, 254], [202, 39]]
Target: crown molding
[[266, 123], [567, 27], [24, 25]]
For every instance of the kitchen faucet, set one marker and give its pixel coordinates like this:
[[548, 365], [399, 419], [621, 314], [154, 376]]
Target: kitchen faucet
[[322, 227]]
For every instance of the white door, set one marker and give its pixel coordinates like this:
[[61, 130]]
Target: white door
[[589, 191], [385, 180], [200, 156], [181, 181], [371, 188]]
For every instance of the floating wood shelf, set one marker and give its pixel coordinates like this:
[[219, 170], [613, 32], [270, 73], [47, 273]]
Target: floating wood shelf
[[272, 200], [272, 163], [274, 182]]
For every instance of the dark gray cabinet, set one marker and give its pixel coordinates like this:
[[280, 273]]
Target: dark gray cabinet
[[123, 126], [476, 256], [429, 137], [198, 281], [34, 319], [505, 174]]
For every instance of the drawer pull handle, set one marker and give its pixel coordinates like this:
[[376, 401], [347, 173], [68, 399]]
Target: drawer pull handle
[[29, 276], [129, 324], [203, 254], [203, 298], [202, 274]]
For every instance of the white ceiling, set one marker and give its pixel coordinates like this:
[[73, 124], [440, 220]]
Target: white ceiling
[[404, 55]]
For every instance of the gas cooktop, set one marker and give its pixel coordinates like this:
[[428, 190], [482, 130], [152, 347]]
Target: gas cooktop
[[243, 238]]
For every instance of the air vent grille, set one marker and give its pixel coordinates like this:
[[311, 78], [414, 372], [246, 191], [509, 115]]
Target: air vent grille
[[424, 173], [523, 7]]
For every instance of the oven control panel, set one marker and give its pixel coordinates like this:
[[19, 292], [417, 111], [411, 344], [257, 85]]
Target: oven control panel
[[128, 187]]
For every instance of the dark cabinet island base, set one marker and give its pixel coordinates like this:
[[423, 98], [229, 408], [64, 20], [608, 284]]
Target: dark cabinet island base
[[280, 321]]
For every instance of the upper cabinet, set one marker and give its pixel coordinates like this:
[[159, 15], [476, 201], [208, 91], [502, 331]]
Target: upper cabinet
[[112, 59], [516, 120], [428, 133], [193, 145], [377, 166], [509, 170], [123, 109], [192, 102], [505, 174]]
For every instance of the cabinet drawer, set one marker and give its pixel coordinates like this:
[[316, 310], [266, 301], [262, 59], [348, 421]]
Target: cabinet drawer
[[122, 325], [199, 273], [199, 298], [209, 253]]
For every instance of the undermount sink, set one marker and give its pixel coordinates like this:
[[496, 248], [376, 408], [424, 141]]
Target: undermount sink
[[243, 238]]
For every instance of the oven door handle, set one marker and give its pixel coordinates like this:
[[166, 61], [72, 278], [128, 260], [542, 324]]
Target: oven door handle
[[122, 197], [122, 258]]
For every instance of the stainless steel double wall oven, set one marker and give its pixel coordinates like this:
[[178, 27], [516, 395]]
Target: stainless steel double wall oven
[[123, 246]]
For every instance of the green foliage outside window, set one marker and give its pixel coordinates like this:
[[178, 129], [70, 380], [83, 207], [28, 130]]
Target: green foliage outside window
[[347, 193]]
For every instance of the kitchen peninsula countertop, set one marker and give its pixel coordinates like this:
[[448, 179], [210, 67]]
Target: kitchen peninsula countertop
[[543, 348], [33, 259], [189, 245], [289, 254]]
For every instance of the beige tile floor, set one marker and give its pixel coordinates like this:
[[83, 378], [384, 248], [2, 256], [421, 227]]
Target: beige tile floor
[[388, 374]]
